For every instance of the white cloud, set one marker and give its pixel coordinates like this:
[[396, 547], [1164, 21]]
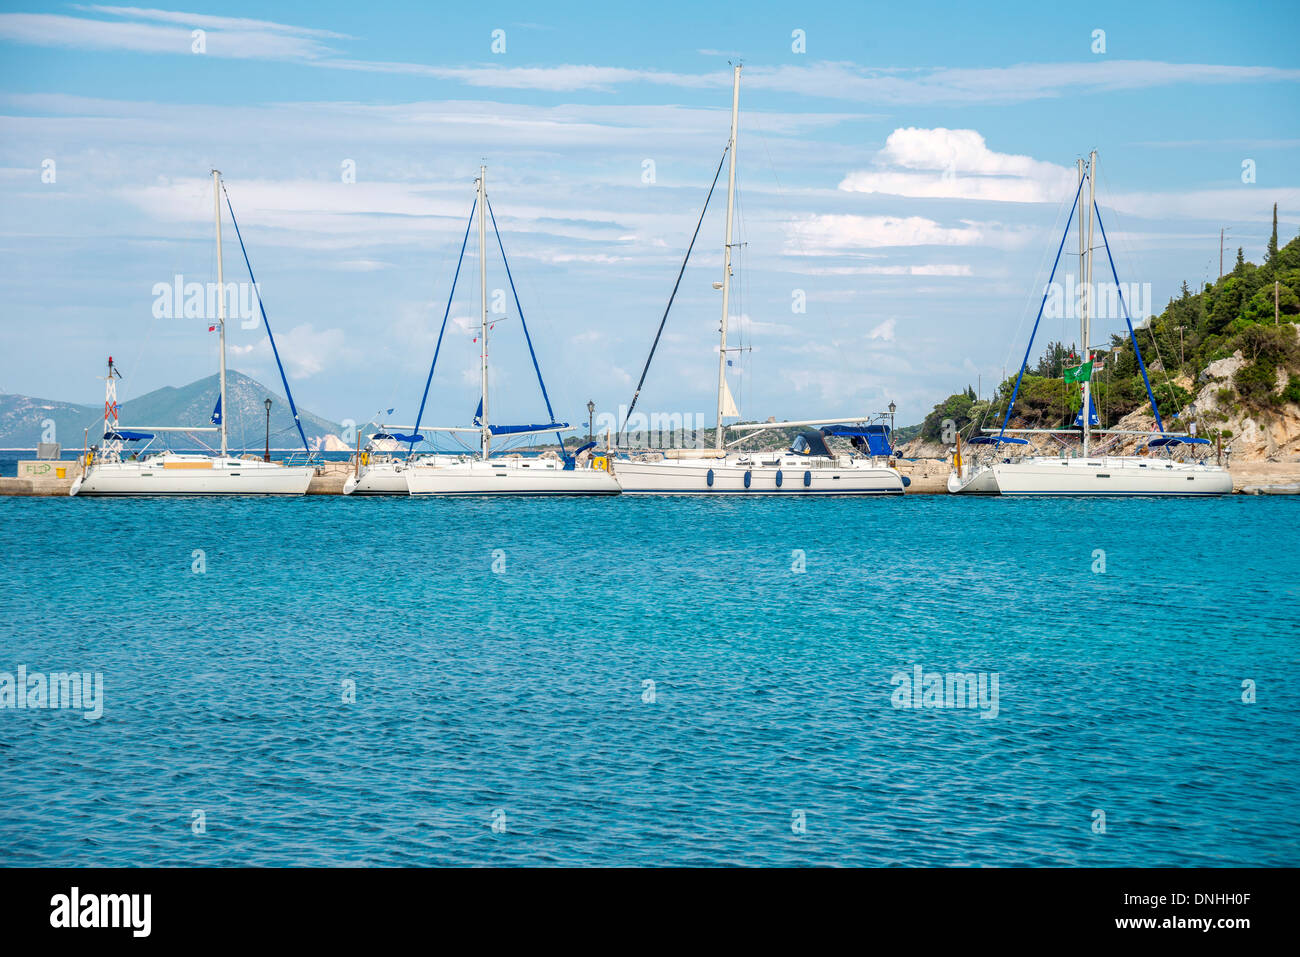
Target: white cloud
[[248, 38], [363, 265], [884, 331], [1216, 205], [205, 21], [304, 350], [957, 164], [923, 269], [746, 325], [246, 42], [827, 234]]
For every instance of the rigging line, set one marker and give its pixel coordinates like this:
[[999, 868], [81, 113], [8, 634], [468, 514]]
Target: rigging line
[[1151, 331], [1046, 291], [1024, 309], [520, 309], [1129, 321], [671, 297], [445, 314], [265, 321]]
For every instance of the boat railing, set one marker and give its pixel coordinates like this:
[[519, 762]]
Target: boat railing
[[312, 459]]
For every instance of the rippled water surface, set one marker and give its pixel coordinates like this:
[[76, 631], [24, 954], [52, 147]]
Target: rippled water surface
[[519, 695]]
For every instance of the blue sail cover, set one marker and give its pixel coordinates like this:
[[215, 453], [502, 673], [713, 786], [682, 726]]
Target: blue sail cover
[[126, 436], [216, 412], [516, 429], [876, 436], [996, 440], [1092, 414], [1176, 440]]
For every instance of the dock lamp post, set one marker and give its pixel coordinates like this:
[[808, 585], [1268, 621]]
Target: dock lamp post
[[267, 456], [892, 408], [591, 414]]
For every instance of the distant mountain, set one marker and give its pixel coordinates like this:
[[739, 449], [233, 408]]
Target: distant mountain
[[24, 420]]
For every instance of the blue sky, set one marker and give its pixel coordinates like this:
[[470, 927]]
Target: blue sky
[[906, 172]]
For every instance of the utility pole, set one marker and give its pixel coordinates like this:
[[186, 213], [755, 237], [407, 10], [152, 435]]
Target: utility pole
[[1220, 253]]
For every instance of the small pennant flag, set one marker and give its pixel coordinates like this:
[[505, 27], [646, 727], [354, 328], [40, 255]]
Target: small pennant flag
[[212, 328]]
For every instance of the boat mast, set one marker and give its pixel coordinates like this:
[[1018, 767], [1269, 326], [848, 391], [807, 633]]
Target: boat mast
[[221, 302], [1081, 296], [484, 432], [1087, 310], [726, 253]]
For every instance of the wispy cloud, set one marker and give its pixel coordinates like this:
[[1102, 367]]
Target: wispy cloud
[[201, 20], [269, 41], [162, 31], [835, 234]]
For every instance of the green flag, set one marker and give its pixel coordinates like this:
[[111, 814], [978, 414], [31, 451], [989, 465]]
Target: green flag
[[1081, 373]]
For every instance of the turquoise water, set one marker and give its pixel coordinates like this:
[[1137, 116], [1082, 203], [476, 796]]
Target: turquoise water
[[520, 692]]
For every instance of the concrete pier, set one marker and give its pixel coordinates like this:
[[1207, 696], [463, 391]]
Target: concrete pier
[[42, 477], [928, 477]]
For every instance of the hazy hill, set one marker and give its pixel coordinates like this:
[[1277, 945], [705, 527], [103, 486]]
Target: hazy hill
[[23, 418]]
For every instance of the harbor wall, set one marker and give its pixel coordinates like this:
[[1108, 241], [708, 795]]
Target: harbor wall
[[928, 477]]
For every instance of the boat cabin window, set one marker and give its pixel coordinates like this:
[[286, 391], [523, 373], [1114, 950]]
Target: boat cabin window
[[809, 443]]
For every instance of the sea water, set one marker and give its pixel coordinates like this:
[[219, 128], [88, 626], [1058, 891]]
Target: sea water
[[690, 681]]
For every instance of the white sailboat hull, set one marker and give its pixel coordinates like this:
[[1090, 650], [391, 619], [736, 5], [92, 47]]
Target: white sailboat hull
[[1110, 475], [788, 476], [192, 475], [978, 481], [508, 478], [382, 479]]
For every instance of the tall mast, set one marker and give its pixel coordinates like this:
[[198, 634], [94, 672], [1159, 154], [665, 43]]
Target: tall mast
[[221, 302], [726, 252], [1087, 311], [1083, 249], [1082, 292], [484, 433]]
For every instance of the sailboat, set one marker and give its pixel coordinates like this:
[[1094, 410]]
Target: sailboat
[[482, 474], [380, 468], [1170, 464], [808, 467], [109, 472]]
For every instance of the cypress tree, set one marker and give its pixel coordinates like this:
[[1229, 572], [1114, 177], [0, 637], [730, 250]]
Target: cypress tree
[[1272, 243]]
